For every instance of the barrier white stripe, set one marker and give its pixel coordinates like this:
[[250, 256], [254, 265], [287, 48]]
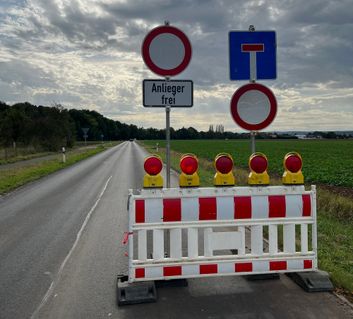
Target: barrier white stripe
[[193, 242], [153, 272], [207, 235], [226, 268], [273, 239], [304, 238], [175, 243], [153, 210], [142, 244], [189, 270], [158, 244], [261, 266], [295, 264], [294, 205], [189, 209], [259, 207], [225, 208], [241, 249], [289, 239], [256, 240]]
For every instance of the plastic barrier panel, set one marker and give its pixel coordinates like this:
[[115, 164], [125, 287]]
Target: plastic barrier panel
[[187, 233]]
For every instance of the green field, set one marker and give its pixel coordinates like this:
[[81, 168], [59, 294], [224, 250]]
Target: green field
[[324, 161]]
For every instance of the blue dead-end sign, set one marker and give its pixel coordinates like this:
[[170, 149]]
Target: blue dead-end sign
[[252, 47]]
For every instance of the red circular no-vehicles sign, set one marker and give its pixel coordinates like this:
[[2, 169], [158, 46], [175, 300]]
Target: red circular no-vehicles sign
[[166, 50], [253, 106]]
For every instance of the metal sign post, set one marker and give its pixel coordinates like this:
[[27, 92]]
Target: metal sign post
[[252, 141], [85, 131], [252, 80], [167, 51], [167, 133], [253, 56]]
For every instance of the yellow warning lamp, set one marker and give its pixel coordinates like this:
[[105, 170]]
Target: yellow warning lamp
[[258, 169], [293, 164], [189, 176], [153, 166], [224, 176]]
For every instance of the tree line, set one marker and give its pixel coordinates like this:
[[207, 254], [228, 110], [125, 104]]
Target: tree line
[[50, 128]]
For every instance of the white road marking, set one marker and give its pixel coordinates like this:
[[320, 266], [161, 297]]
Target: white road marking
[[78, 236]]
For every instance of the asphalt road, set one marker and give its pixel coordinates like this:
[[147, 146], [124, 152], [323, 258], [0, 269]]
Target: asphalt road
[[60, 252]]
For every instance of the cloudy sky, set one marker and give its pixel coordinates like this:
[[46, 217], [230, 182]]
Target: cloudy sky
[[87, 54]]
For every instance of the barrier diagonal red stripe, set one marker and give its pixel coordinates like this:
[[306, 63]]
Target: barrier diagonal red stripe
[[243, 267], [306, 205], [308, 264], [208, 269], [242, 207], [278, 265], [172, 271], [277, 206], [207, 208], [140, 211], [140, 273], [172, 210]]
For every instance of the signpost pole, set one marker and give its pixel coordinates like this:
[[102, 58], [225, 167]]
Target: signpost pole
[[160, 40], [252, 139], [85, 131], [167, 133], [252, 80]]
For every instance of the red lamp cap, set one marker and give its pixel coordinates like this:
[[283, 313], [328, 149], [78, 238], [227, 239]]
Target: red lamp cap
[[293, 162], [153, 165], [258, 163], [189, 164], [224, 163]]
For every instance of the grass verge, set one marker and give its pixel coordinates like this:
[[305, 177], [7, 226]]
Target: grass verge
[[18, 176], [335, 223], [23, 157]]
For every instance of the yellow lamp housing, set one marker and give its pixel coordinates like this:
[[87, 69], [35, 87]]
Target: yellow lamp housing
[[258, 164], [189, 180], [189, 176], [151, 181], [224, 170], [153, 166], [293, 164]]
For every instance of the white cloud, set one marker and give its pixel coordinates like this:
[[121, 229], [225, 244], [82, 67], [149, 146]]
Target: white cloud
[[86, 54]]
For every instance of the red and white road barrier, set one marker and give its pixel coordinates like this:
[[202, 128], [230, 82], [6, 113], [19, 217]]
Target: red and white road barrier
[[220, 231]]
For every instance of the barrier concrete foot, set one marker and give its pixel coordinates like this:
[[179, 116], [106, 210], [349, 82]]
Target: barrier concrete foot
[[135, 293], [312, 281]]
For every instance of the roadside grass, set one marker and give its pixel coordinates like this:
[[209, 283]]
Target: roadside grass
[[335, 221], [11, 155], [14, 177], [22, 157]]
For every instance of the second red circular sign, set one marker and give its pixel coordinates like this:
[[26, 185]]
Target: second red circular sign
[[253, 107]]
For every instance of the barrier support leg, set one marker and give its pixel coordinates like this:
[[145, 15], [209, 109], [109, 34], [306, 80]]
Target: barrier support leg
[[312, 281], [135, 293]]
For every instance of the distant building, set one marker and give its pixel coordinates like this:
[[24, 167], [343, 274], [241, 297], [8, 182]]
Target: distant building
[[301, 136]]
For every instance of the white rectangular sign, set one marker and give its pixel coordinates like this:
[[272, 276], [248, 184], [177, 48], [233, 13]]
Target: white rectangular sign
[[160, 93]]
